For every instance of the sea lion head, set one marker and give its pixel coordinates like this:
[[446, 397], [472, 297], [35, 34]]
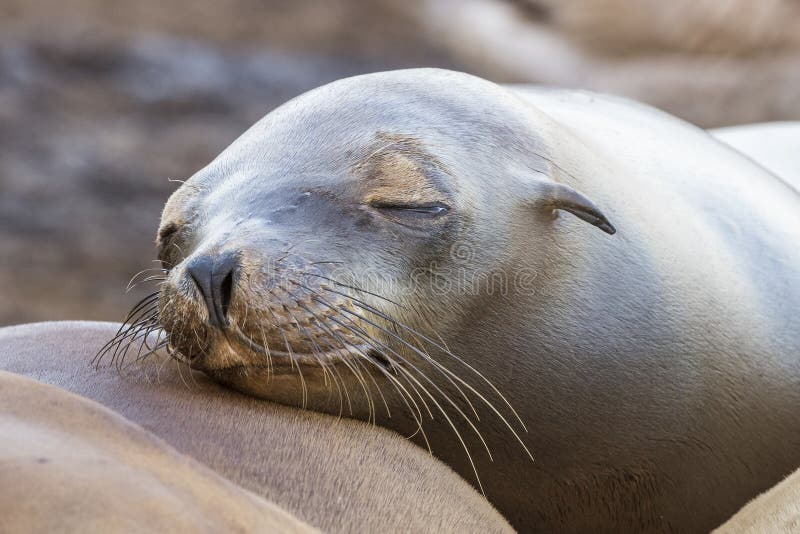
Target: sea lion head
[[337, 242]]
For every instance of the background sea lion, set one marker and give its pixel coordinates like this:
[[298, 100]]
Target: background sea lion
[[774, 145], [69, 465], [337, 475], [655, 370], [709, 62], [179, 82]]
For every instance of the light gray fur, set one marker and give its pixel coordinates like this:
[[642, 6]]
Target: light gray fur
[[774, 145], [656, 369]]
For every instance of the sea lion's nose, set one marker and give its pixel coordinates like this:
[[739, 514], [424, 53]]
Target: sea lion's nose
[[214, 277]]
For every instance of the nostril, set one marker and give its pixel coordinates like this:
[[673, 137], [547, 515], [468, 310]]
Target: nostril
[[226, 288]]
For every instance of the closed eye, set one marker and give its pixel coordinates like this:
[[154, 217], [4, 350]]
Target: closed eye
[[166, 236], [412, 210]]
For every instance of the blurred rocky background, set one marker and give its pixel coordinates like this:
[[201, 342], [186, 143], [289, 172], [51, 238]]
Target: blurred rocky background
[[103, 102]]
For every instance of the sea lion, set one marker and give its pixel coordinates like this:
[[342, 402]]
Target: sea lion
[[69, 465], [711, 63], [436, 253], [774, 145], [336, 475], [776, 511]]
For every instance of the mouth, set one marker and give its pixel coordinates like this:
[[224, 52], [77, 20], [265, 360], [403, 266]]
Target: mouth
[[288, 361]]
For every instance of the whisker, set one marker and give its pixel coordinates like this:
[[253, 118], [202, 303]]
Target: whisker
[[444, 349], [456, 377], [358, 331], [410, 377], [138, 333], [270, 370], [357, 373], [151, 269], [179, 365], [375, 383], [317, 347], [364, 335], [294, 364], [355, 288], [452, 426], [404, 394], [145, 344], [371, 343], [125, 331], [427, 357], [143, 303]]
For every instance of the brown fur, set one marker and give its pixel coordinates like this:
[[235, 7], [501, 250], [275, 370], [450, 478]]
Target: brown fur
[[398, 167], [723, 27], [338, 475], [711, 62], [69, 465]]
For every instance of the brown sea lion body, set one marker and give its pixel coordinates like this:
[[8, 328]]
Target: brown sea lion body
[[709, 62], [69, 465], [259, 460]]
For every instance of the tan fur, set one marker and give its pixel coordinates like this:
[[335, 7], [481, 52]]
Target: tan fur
[[394, 168], [724, 27], [397, 172], [69, 465], [775, 511], [338, 475], [711, 62]]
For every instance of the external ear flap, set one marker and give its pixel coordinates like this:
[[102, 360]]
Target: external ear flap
[[562, 197]]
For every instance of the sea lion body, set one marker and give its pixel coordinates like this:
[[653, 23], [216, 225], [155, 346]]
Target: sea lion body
[[411, 234], [274, 468], [775, 511], [773, 145], [677, 339], [69, 465]]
